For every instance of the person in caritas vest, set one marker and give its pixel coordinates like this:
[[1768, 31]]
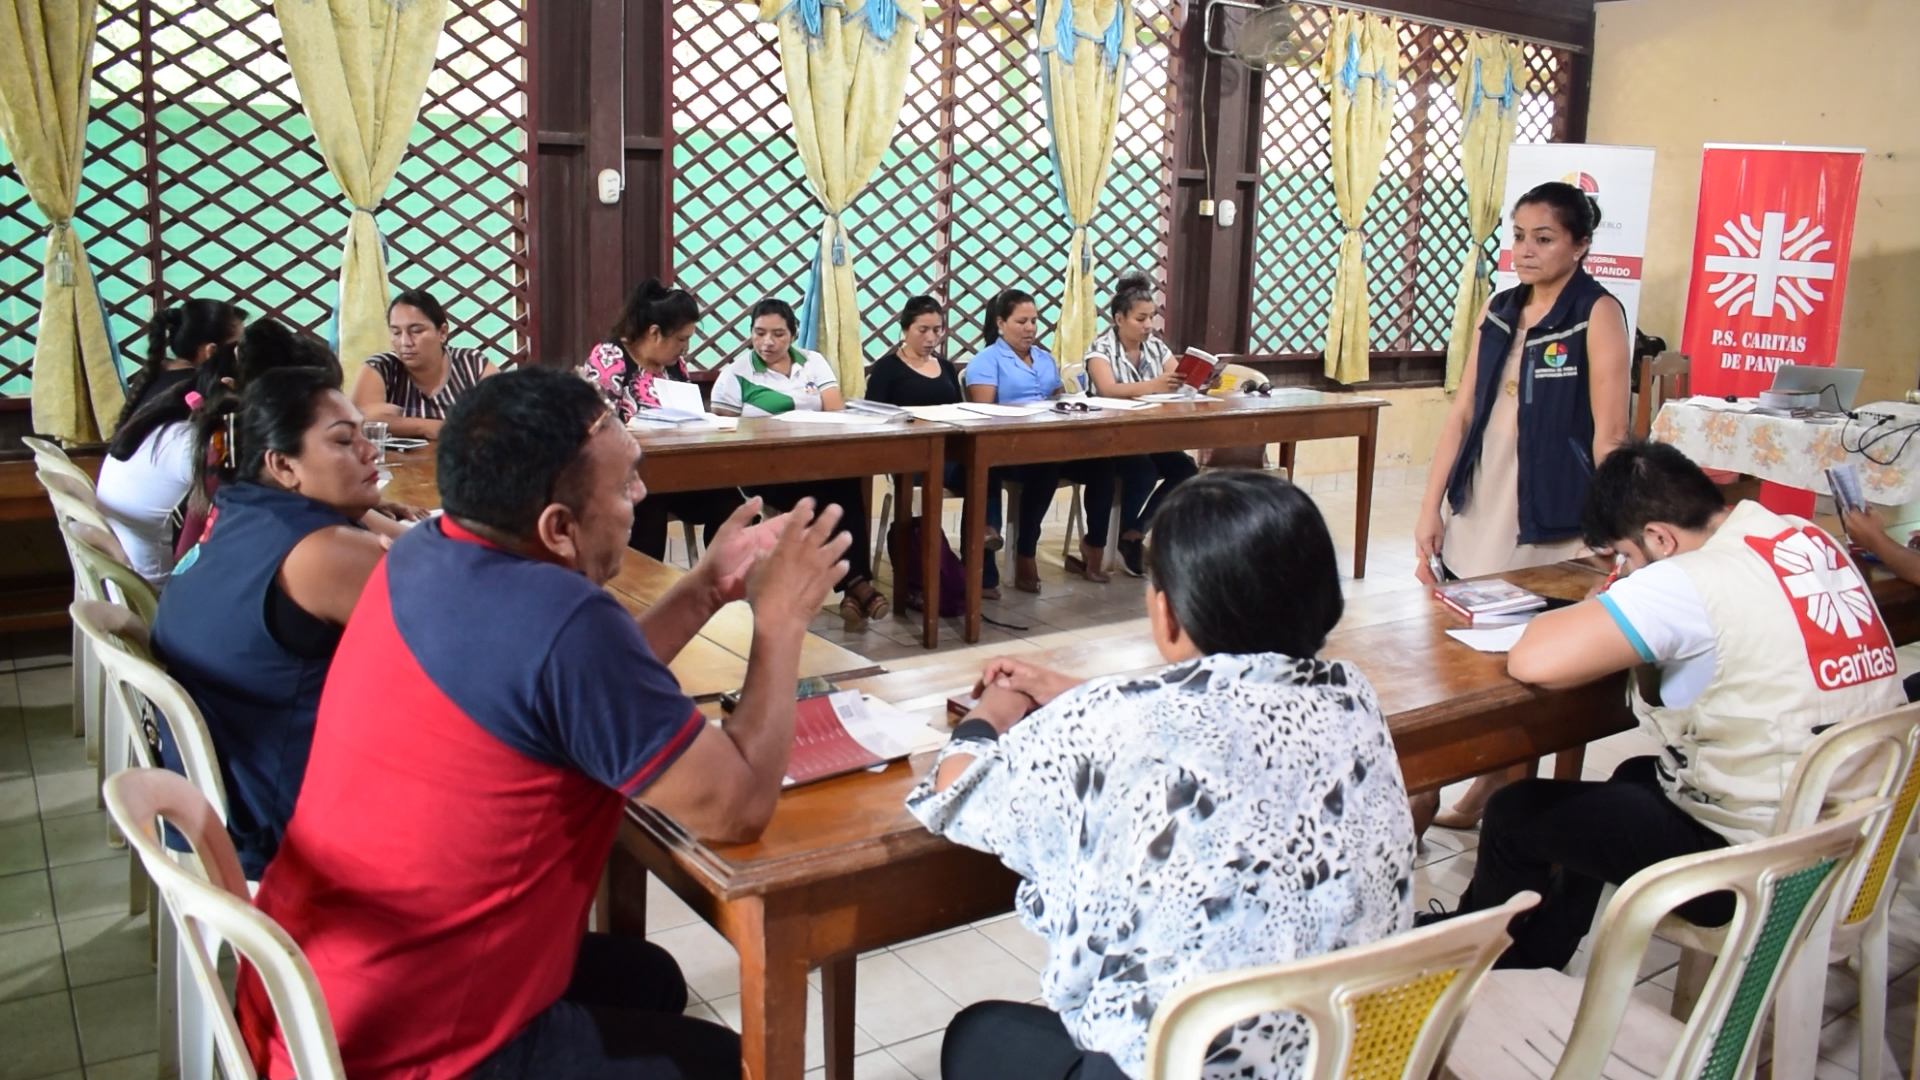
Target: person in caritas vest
[[1759, 632], [1543, 396]]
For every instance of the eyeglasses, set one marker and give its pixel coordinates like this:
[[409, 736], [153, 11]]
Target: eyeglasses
[[1071, 407]]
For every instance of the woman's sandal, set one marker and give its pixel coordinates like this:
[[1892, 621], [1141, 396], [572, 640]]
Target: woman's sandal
[[1451, 818], [1088, 564]]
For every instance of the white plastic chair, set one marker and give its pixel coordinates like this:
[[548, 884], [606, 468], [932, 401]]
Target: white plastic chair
[[1875, 754], [207, 900], [1387, 1009], [1532, 1023], [72, 499], [51, 458], [102, 572], [135, 686]]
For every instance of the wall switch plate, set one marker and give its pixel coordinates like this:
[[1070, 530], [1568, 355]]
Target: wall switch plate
[[1227, 213], [1206, 207]]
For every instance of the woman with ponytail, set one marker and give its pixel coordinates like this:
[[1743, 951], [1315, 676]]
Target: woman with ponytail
[[1543, 397], [649, 343], [149, 464], [412, 386], [250, 621]]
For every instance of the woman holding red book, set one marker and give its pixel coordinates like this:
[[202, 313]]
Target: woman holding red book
[[1130, 361]]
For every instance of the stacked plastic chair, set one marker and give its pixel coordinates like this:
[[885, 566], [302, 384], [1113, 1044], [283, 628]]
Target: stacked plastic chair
[[207, 901]]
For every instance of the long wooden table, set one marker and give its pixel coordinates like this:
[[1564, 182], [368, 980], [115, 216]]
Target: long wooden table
[[844, 869], [1289, 416], [712, 663], [765, 450]]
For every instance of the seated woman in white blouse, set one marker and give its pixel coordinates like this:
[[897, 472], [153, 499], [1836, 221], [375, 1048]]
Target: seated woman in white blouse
[[1240, 807]]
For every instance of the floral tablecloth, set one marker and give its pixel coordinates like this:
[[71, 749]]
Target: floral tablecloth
[[1795, 453]]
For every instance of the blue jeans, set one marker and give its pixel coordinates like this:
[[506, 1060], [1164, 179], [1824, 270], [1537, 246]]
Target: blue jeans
[[620, 1019]]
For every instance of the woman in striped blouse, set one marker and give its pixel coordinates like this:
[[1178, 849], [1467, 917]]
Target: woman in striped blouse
[[412, 387]]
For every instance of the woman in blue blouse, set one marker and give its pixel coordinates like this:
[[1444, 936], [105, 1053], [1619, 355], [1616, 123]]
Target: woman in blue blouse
[[1013, 369]]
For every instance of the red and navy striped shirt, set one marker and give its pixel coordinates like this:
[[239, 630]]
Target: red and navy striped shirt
[[486, 717]]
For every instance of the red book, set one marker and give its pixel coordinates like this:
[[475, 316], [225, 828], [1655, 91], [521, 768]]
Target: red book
[[822, 746], [1199, 368]]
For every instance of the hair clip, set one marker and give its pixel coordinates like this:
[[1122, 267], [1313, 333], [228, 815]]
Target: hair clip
[[227, 451], [193, 399]]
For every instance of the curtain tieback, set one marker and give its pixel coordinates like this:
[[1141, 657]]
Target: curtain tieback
[[838, 249], [62, 268]]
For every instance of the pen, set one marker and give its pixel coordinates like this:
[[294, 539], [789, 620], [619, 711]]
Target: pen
[[1619, 564]]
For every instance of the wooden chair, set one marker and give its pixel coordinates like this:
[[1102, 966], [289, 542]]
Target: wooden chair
[[1855, 923], [1600, 1029], [1387, 1009], [207, 900], [1662, 378]]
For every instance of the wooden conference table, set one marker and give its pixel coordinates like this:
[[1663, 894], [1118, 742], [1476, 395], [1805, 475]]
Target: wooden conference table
[[713, 662], [843, 868], [1289, 416]]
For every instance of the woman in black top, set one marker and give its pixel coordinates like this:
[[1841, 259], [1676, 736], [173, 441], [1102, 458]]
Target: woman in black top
[[914, 373]]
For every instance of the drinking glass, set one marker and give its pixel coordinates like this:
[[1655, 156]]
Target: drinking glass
[[376, 433]]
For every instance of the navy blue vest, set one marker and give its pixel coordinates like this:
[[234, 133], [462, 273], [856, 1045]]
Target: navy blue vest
[[1556, 412], [259, 699]]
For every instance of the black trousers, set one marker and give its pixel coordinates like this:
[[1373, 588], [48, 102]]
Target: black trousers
[[1146, 479], [708, 509], [1566, 840], [997, 1040], [620, 1019], [1037, 484], [846, 494]]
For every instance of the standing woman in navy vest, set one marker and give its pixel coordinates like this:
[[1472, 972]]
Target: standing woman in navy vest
[[249, 622], [1544, 398]]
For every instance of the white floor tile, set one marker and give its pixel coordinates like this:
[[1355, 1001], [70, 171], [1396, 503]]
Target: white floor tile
[[707, 960], [728, 1009], [970, 967]]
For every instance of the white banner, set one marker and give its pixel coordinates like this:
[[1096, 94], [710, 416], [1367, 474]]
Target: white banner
[[1620, 178]]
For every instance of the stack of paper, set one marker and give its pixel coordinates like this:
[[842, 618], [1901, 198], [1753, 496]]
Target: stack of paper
[[1120, 404], [823, 416], [845, 732], [941, 414], [647, 420], [987, 408]]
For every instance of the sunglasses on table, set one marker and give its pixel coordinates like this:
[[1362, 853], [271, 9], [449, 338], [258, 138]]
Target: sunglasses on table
[[1071, 407]]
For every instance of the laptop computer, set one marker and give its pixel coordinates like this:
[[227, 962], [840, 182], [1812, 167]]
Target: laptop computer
[[1835, 385]]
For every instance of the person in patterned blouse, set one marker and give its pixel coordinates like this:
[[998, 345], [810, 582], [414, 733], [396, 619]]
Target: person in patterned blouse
[[1242, 806], [412, 387], [647, 344]]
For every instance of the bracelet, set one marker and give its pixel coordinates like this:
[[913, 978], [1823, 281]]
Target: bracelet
[[976, 727]]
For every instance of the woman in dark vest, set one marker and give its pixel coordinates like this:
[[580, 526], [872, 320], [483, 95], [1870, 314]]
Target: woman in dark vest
[[1544, 396], [251, 617]]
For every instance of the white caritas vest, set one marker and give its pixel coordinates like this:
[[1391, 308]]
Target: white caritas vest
[[1798, 647]]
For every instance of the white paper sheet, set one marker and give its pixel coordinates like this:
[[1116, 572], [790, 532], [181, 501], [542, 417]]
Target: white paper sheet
[[678, 395], [988, 408], [808, 416], [1494, 641], [642, 423], [1162, 399], [1720, 404], [1119, 404], [941, 414]]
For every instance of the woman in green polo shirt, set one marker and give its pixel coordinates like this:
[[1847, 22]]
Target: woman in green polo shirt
[[777, 376]]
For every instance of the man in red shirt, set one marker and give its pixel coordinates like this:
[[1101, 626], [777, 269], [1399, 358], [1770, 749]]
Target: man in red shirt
[[490, 710]]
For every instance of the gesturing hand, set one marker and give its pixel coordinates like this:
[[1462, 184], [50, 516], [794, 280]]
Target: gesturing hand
[[787, 585], [736, 548]]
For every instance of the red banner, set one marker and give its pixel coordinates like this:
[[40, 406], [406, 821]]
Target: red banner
[[1770, 245]]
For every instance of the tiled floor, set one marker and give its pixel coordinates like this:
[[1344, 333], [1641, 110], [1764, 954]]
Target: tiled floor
[[76, 982]]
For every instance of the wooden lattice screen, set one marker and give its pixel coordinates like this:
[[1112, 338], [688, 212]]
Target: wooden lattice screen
[[202, 179], [1417, 222], [964, 202]]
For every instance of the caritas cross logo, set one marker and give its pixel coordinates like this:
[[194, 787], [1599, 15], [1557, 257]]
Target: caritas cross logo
[[1771, 240], [1847, 644]]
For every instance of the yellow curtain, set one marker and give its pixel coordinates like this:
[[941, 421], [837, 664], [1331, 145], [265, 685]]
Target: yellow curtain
[[1083, 68], [46, 70], [1490, 104], [1361, 63], [361, 67], [846, 73]]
